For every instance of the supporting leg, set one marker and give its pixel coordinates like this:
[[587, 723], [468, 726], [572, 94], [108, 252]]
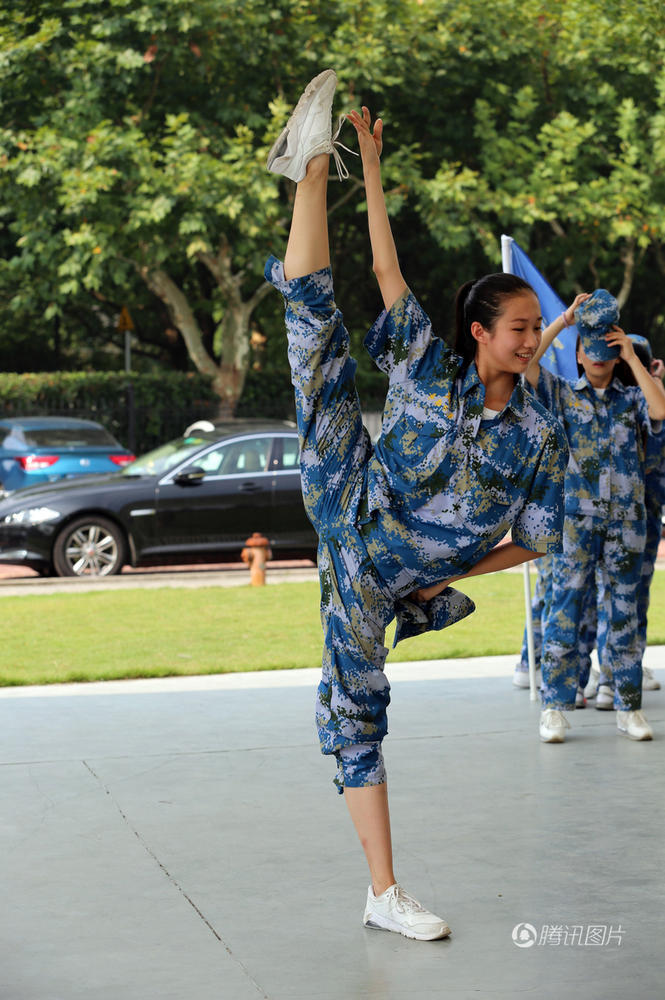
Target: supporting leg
[[369, 811]]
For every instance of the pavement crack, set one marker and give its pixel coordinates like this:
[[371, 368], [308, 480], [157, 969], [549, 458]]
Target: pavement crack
[[174, 882]]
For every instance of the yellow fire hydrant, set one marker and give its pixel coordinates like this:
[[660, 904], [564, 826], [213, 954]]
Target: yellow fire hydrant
[[256, 554]]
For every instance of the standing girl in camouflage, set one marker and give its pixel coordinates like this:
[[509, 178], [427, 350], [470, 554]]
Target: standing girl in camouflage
[[606, 423], [465, 454]]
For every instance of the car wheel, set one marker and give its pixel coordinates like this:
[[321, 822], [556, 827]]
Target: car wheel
[[89, 546]]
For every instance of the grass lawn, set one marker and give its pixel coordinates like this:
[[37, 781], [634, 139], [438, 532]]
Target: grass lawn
[[156, 633]]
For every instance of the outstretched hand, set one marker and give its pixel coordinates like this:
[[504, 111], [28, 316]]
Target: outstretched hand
[[370, 140]]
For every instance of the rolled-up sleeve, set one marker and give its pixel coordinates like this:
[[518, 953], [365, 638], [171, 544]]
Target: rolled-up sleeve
[[539, 526], [402, 338]]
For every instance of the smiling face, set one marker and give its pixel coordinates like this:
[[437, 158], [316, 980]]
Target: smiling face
[[510, 344], [599, 373]]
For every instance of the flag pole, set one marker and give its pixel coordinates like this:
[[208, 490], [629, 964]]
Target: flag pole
[[507, 264]]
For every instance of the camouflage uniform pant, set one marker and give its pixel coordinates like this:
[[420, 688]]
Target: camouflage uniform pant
[[588, 635], [538, 604], [615, 548], [356, 605], [654, 529]]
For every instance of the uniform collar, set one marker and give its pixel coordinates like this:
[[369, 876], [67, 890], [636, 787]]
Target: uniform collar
[[471, 380], [583, 382]]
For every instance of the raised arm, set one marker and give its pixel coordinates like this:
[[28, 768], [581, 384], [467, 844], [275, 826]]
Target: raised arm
[[651, 386], [385, 263], [567, 318]]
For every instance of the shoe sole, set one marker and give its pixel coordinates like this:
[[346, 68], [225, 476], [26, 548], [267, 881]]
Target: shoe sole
[[605, 708], [639, 739], [308, 93], [391, 925], [552, 739]]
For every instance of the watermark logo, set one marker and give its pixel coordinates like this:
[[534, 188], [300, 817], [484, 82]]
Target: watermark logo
[[524, 935], [568, 935]]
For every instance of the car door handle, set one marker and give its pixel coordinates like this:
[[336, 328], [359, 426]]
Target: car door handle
[[249, 487]]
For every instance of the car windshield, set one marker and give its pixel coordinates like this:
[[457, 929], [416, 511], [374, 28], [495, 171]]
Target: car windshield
[[68, 437], [166, 457]]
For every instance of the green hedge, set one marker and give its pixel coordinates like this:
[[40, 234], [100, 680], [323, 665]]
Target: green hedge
[[270, 394], [143, 410]]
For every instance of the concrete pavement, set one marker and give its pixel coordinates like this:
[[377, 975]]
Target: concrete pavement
[[181, 839]]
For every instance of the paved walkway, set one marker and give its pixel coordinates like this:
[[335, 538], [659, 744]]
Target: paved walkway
[[180, 839]]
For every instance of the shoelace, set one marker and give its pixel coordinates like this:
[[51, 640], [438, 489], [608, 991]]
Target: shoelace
[[554, 717], [335, 146], [405, 903]]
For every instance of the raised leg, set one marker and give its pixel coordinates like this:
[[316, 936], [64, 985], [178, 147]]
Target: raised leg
[[308, 249]]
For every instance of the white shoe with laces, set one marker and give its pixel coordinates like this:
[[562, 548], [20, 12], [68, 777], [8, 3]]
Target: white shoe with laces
[[308, 132], [649, 682], [591, 690], [553, 725], [521, 677], [605, 698], [395, 910], [634, 725]]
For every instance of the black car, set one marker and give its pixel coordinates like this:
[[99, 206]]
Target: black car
[[197, 498]]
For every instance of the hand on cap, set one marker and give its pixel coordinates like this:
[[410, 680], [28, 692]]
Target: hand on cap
[[619, 338], [569, 314]]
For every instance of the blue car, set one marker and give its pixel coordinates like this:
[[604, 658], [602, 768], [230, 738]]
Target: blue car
[[37, 450]]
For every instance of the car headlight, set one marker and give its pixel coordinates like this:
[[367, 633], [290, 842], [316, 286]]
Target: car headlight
[[33, 515]]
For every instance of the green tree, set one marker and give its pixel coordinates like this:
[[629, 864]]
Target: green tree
[[134, 139]]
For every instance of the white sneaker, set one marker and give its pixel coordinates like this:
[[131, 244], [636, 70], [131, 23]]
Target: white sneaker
[[395, 910], [308, 131], [553, 725], [649, 682], [634, 725], [521, 677], [591, 690], [605, 698], [579, 699]]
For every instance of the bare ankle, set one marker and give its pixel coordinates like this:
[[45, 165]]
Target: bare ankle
[[379, 886], [317, 167]]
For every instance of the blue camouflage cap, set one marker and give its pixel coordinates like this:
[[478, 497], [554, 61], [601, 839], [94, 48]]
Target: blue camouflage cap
[[594, 319]]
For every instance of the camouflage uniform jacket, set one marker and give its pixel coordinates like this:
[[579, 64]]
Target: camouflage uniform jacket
[[607, 438], [444, 484]]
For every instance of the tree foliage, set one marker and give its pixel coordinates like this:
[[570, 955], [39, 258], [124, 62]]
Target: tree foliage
[[132, 161]]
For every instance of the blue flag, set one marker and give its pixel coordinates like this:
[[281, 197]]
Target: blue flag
[[560, 357]]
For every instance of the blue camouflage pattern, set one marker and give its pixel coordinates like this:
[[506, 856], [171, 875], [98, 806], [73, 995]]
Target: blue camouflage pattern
[[607, 438], [604, 535], [539, 603], [435, 494], [654, 488]]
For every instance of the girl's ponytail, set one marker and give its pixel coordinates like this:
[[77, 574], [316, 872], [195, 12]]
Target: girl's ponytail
[[465, 345]]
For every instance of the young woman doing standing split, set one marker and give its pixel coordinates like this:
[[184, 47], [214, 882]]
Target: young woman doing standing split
[[465, 455]]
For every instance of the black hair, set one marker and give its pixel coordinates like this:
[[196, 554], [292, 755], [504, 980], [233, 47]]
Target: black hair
[[482, 302]]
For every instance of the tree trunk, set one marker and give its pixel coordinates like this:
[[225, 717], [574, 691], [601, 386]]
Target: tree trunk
[[232, 337]]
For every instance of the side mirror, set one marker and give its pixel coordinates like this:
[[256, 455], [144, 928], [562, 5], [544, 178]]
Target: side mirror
[[190, 476]]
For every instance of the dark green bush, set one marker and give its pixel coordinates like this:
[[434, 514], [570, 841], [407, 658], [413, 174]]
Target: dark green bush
[[143, 410]]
